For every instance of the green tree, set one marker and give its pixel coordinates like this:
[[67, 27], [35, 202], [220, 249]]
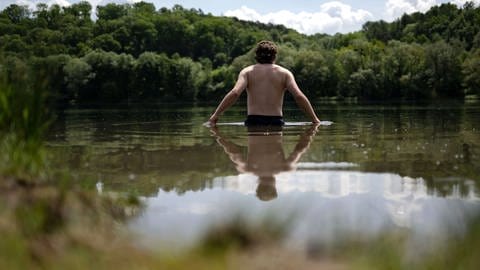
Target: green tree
[[16, 14], [111, 11], [151, 71], [471, 72], [108, 84], [403, 71], [46, 42], [364, 84], [141, 35], [135, 51], [312, 73], [81, 12], [348, 62], [218, 82], [106, 42], [13, 43], [182, 80], [49, 72], [443, 70], [77, 74], [173, 35], [377, 30]]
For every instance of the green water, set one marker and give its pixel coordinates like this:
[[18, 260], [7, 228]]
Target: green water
[[376, 169]]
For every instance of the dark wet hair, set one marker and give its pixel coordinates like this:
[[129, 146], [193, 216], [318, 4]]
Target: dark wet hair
[[266, 190], [265, 52]]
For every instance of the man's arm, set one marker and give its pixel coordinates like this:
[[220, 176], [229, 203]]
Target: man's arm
[[300, 98], [231, 97], [230, 149], [302, 145]]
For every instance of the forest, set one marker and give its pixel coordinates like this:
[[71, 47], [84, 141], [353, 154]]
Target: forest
[[136, 52]]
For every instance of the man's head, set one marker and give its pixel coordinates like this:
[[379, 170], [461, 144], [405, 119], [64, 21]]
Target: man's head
[[265, 52], [266, 190]]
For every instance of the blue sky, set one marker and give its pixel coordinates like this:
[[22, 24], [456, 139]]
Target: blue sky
[[306, 16]]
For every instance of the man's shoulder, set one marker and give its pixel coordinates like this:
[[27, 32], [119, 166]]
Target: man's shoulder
[[246, 70], [277, 68], [282, 69]]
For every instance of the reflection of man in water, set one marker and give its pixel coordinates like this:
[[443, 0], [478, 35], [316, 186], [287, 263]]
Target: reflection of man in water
[[265, 156], [265, 83]]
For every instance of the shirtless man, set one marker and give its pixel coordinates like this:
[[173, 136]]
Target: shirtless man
[[265, 83], [265, 157]]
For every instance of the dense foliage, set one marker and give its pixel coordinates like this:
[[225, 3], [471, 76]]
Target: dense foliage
[[136, 52]]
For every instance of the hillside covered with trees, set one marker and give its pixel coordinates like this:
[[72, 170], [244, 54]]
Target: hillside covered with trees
[[138, 52]]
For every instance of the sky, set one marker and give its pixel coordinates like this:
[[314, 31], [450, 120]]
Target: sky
[[305, 16]]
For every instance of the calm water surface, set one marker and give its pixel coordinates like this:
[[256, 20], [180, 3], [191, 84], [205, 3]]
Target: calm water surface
[[375, 169]]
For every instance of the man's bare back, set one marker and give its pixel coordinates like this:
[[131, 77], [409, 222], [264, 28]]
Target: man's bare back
[[265, 84]]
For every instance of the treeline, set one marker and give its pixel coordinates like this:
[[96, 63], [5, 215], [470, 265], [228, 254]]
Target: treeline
[[136, 52], [445, 22]]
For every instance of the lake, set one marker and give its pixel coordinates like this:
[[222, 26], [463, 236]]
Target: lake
[[374, 170]]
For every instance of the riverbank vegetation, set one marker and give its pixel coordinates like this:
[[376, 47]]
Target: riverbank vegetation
[[135, 52]]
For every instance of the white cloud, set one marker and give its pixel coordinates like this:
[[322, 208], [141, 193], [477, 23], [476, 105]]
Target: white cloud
[[332, 17], [64, 3], [32, 4], [460, 3], [396, 8]]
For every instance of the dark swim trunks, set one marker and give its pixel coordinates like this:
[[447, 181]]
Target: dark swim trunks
[[264, 120]]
